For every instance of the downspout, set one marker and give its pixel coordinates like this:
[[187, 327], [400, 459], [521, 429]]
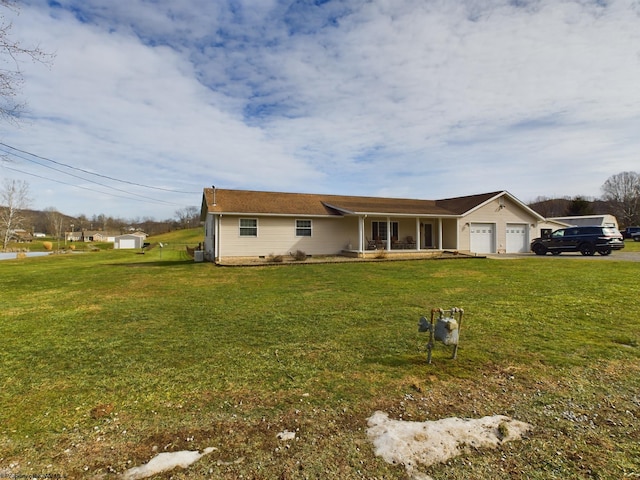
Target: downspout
[[218, 235]]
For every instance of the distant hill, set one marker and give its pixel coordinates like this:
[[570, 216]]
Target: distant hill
[[563, 207], [38, 221]]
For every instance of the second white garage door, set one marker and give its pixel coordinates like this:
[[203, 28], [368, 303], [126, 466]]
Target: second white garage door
[[483, 237], [517, 241], [127, 243]]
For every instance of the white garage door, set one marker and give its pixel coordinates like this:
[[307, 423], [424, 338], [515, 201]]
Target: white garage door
[[483, 237], [517, 241], [126, 243]]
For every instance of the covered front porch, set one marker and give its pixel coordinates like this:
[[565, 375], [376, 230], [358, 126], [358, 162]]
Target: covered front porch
[[413, 254], [403, 235]]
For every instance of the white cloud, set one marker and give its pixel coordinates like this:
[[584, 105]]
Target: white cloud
[[405, 97]]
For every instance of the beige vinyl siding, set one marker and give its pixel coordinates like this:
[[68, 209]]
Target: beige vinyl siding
[[511, 213], [449, 234], [277, 236]]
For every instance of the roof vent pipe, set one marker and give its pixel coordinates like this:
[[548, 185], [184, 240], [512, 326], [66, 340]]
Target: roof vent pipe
[[214, 194]]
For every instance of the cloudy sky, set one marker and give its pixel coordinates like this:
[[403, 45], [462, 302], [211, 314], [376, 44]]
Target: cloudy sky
[[400, 98]]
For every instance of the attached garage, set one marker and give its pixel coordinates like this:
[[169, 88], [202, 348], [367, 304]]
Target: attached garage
[[517, 238], [483, 237]]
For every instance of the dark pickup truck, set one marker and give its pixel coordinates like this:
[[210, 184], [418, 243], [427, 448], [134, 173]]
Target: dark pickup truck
[[631, 232]]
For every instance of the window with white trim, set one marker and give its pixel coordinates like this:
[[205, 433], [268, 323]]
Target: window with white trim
[[248, 227], [379, 230], [303, 228]]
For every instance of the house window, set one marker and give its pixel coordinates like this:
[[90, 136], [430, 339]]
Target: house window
[[379, 230], [303, 228], [248, 227]]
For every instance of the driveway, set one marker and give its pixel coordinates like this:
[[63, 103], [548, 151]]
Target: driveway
[[619, 256]]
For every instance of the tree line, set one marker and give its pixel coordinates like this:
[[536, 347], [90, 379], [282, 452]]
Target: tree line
[[620, 197], [16, 215]]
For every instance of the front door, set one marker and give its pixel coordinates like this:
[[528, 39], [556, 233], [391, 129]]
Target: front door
[[428, 235]]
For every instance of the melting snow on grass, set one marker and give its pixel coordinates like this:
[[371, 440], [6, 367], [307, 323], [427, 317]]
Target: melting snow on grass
[[164, 462], [427, 443]]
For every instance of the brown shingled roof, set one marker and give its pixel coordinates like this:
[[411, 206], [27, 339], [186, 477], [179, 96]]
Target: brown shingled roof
[[461, 205], [278, 203]]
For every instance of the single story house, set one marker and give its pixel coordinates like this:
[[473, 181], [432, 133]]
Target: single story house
[[73, 236], [129, 240], [20, 235], [104, 236], [243, 223]]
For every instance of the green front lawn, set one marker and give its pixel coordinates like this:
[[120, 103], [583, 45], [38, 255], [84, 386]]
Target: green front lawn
[[111, 357]]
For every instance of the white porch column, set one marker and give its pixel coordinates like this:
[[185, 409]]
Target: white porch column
[[417, 233], [360, 234], [388, 233], [439, 233]]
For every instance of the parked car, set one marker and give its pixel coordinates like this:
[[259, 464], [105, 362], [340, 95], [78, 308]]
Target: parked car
[[586, 240], [631, 232]]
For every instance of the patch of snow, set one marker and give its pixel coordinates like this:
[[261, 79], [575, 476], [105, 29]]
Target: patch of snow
[[164, 462], [428, 443], [287, 435]]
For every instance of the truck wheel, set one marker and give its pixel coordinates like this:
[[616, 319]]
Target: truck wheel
[[587, 249], [539, 249], [604, 251], [636, 238]]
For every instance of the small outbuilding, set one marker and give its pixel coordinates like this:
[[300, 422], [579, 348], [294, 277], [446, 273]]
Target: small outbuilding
[[604, 220], [129, 241]]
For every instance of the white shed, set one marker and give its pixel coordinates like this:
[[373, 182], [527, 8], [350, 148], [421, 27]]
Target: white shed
[[129, 241]]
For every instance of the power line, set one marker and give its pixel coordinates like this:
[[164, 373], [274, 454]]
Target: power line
[[90, 173], [86, 179], [87, 188]]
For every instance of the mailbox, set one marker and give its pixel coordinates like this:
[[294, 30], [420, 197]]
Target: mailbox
[[444, 327]]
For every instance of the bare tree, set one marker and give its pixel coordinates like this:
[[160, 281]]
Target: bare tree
[[550, 207], [11, 52], [14, 199], [622, 191], [55, 221], [188, 217]]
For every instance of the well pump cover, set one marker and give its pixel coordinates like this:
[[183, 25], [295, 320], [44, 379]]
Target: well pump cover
[[446, 331]]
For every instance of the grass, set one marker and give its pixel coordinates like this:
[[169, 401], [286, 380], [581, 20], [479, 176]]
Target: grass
[[111, 357]]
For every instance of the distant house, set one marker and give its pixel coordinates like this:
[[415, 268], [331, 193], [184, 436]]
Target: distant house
[[88, 235], [129, 240], [243, 223], [98, 236], [73, 236], [105, 236], [588, 220], [21, 236]]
